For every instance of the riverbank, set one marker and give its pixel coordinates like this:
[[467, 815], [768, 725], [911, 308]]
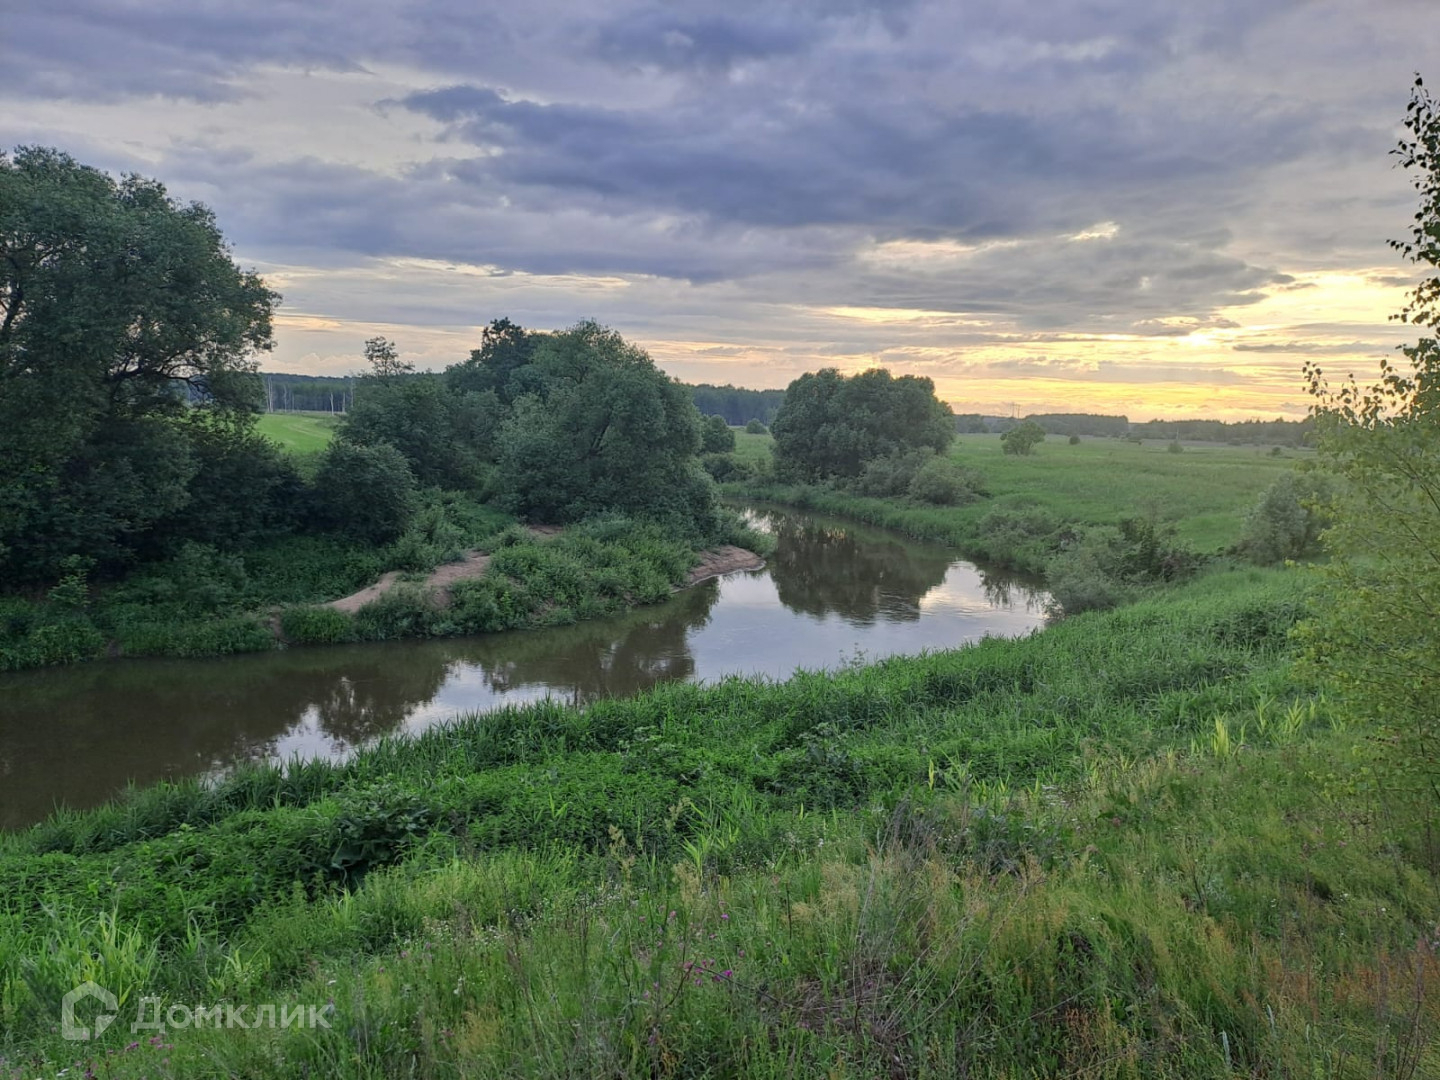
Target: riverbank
[[463, 569], [1137, 843]]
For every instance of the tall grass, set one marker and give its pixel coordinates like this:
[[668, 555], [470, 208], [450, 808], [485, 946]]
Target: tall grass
[[1032, 857]]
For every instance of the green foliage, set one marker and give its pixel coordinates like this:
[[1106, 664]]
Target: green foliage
[[364, 492], [444, 437], [1288, 519], [716, 436], [1175, 447], [736, 404], [113, 296], [1074, 440], [316, 626], [599, 568], [1028, 870], [600, 429], [831, 425], [755, 427], [1104, 567], [1378, 635], [726, 468], [941, 482], [1023, 438]]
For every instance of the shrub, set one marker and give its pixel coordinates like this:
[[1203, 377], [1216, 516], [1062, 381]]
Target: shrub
[[941, 482], [726, 467], [366, 492], [716, 436], [755, 427], [1287, 520], [1175, 447], [1074, 440], [316, 626], [891, 475], [1022, 438], [1106, 567]]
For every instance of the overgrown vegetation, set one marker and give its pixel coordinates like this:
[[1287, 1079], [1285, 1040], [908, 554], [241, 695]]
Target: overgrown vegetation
[[1376, 637], [143, 512], [986, 862]]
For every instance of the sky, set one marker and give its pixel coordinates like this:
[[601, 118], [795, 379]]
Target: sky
[[1123, 206]]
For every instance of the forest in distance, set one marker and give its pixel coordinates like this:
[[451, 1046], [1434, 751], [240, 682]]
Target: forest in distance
[[1184, 825]]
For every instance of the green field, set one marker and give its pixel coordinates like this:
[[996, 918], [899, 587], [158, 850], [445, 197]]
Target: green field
[[299, 433], [1204, 493]]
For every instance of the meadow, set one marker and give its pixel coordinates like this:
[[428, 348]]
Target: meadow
[[1136, 844], [1203, 493], [300, 433]]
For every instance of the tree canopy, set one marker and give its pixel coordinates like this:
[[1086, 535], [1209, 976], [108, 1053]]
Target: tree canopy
[[128, 340], [596, 427], [830, 425]]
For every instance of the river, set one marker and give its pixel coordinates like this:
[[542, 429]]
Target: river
[[833, 592]]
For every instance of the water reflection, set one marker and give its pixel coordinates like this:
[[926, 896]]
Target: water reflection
[[831, 591]]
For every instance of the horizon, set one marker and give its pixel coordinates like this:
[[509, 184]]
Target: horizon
[[1116, 210]]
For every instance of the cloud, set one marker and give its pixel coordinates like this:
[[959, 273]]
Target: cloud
[[914, 181]]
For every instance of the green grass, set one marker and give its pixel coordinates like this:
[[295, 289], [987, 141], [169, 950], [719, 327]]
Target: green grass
[[1029, 501], [300, 433], [1204, 491], [1133, 845]]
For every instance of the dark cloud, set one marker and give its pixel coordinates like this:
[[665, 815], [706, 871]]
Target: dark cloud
[[1112, 167]]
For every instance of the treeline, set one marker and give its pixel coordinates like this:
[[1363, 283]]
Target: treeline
[[1100, 425], [737, 405], [286, 392]]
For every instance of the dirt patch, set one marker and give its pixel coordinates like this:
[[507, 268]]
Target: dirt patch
[[723, 560], [437, 582]]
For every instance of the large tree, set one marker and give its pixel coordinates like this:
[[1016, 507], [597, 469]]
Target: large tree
[[599, 428], [121, 313], [1378, 636], [831, 425]]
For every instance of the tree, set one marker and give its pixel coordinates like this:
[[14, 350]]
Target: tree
[[1022, 438], [716, 436], [599, 428], [384, 360], [1377, 637], [505, 348], [121, 313], [755, 427], [364, 492], [831, 425]]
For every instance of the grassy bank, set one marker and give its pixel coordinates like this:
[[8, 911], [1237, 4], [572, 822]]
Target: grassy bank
[[1028, 502], [1132, 845], [209, 603]]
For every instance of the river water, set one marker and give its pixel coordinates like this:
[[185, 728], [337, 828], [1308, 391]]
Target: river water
[[833, 592]]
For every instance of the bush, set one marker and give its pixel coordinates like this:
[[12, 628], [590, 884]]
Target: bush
[[755, 427], [316, 626], [716, 436], [1074, 440], [366, 492], [1287, 520], [891, 475], [1175, 447], [941, 482], [1022, 438], [726, 467], [1106, 567]]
